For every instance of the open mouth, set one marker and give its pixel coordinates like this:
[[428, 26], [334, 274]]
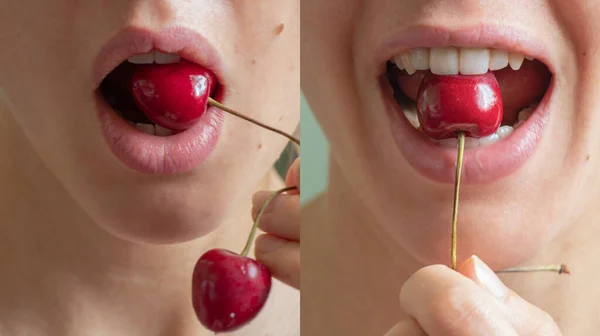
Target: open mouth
[[116, 89], [523, 83], [152, 91]]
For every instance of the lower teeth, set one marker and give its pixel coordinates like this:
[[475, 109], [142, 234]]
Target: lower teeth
[[153, 129], [502, 132]]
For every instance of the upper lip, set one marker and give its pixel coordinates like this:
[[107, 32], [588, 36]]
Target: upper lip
[[130, 41], [481, 35]]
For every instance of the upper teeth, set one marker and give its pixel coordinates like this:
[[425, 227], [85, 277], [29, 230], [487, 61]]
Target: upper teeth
[[154, 57], [452, 61]]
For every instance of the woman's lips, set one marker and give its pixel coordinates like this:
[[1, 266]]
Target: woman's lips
[[178, 153], [481, 164]]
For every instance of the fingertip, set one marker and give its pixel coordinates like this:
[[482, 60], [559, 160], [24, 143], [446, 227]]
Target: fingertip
[[467, 268], [293, 175]]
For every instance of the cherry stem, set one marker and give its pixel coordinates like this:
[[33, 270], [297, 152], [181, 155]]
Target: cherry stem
[[246, 249], [459, 164], [239, 115], [560, 269]]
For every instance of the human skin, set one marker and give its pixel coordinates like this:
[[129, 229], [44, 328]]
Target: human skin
[[380, 220], [91, 246]]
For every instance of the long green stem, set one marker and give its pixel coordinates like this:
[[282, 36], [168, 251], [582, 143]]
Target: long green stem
[[246, 249], [256, 122], [459, 164], [560, 269]]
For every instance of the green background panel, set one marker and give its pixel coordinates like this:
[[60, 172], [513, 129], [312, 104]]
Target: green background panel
[[314, 155]]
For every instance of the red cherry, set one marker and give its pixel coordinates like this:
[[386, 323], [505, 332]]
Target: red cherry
[[173, 96], [448, 104], [228, 290]]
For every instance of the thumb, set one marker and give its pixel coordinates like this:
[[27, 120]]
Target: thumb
[[293, 176], [525, 318]]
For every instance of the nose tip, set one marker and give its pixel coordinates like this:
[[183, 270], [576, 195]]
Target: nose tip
[[158, 12]]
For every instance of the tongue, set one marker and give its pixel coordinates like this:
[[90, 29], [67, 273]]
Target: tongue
[[518, 88]]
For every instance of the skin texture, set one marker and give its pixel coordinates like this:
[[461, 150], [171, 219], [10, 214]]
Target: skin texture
[[380, 216], [80, 220]]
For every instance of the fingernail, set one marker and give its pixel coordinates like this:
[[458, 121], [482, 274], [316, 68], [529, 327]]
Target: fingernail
[[267, 244], [489, 279]]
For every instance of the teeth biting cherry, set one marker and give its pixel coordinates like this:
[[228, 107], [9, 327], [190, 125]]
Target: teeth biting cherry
[[173, 96], [471, 104], [228, 290]]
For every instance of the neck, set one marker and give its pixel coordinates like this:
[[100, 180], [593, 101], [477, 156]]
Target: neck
[[363, 250], [64, 275]]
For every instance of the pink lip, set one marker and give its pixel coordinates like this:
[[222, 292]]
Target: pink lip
[[178, 153], [482, 164]]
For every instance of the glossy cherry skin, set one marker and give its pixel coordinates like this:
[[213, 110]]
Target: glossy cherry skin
[[448, 104], [173, 96], [228, 290]]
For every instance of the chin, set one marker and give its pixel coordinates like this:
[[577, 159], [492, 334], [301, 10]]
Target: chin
[[161, 227], [158, 219], [511, 239]]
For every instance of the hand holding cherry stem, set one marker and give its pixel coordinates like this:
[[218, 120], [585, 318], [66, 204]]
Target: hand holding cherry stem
[[228, 289]]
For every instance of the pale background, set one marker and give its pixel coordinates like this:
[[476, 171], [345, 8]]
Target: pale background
[[313, 155]]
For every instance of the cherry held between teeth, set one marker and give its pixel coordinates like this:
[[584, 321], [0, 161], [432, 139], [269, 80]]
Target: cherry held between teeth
[[450, 104], [228, 290], [173, 96]]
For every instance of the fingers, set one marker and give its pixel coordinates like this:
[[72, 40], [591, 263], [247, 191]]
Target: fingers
[[281, 217], [525, 318], [472, 302], [409, 327], [445, 302], [279, 249], [293, 176], [281, 256]]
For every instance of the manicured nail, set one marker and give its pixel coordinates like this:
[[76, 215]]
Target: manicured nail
[[489, 279]]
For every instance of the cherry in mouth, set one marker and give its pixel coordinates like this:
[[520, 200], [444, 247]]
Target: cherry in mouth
[[450, 104], [520, 89], [172, 97]]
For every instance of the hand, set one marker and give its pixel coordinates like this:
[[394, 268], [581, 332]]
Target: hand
[[279, 248], [470, 302]]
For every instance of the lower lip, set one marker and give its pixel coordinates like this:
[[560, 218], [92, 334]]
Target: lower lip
[[481, 164], [178, 153]]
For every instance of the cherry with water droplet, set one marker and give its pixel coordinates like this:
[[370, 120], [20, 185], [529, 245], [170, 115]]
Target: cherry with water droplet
[[229, 289], [173, 96], [447, 105]]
